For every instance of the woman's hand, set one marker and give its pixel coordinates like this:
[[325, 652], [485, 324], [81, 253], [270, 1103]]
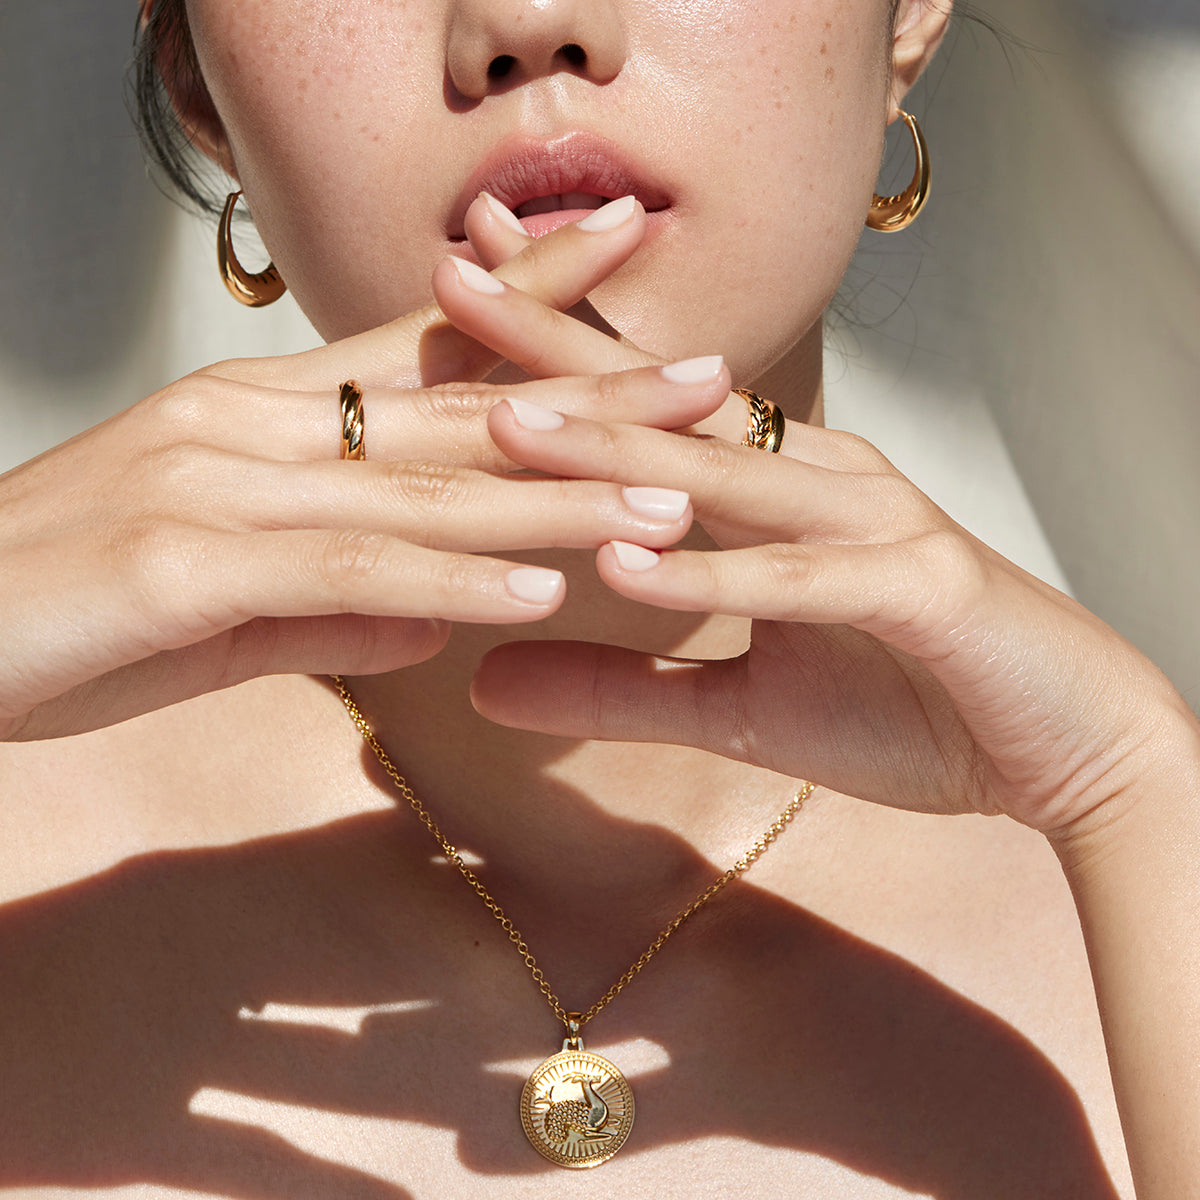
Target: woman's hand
[[209, 534], [892, 655]]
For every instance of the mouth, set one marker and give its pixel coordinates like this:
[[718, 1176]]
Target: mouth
[[549, 184]]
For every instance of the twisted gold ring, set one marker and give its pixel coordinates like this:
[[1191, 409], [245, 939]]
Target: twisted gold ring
[[352, 422], [765, 424]]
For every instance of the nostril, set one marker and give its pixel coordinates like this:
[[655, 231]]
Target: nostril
[[500, 66], [575, 54]]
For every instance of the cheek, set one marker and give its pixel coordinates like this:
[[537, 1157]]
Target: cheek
[[324, 106], [785, 131]]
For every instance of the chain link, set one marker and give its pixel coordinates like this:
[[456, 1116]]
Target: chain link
[[515, 936]]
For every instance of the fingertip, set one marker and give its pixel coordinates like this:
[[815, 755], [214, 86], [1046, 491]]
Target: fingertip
[[537, 585], [503, 216], [391, 643], [505, 688], [434, 636], [611, 216], [633, 558], [493, 232], [532, 417], [707, 369], [474, 278]]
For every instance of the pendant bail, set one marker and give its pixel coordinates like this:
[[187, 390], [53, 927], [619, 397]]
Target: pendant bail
[[573, 1041]]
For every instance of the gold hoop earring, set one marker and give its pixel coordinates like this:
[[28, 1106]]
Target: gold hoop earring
[[255, 291], [890, 214]]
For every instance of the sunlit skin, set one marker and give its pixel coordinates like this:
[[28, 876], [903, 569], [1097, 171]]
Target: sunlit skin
[[892, 1003], [769, 147]]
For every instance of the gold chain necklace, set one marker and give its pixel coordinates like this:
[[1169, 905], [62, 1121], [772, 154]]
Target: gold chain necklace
[[576, 1107]]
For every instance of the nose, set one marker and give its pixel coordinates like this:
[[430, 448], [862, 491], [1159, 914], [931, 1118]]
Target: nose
[[495, 44]]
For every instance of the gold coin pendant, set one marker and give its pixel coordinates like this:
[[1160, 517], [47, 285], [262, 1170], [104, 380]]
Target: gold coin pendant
[[577, 1109]]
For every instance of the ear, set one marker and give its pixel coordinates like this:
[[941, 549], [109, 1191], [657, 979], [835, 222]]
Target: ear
[[166, 23], [920, 27]]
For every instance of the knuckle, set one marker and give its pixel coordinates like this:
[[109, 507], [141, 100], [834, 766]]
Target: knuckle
[[350, 559], [182, 410], [716, 461], [787, 569], [856, 452], [948, 557], [433, 488], [536, 260], [611, 393], [240, 370], [608, 452], [153, 557], [459, 574], [947, 583], [458, 402], [181, 477], [895, 505]]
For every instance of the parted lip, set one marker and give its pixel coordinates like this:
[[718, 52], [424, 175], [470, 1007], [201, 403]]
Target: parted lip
[[526, 168]]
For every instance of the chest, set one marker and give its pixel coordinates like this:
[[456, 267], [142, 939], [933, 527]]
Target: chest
[[325, 1010]]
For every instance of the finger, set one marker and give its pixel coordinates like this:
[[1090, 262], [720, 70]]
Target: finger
[[446, 507], [557, 270], [583, 690], [926, 595], [493, 233], [831, 449], [304, 573], [761, 496], [341, 644], [446, 423], [535, 336], [174, 585]]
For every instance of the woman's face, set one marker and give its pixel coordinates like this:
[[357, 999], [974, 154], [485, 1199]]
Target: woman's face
[[360, 131]]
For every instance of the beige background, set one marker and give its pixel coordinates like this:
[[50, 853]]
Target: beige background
[[1029, 352]]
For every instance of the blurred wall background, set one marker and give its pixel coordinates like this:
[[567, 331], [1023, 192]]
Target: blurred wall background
[[1029, 352]]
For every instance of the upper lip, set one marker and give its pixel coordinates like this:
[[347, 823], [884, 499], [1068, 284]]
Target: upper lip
[[525, 168]]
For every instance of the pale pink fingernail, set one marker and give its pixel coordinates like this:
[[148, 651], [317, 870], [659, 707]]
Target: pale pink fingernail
[[476, 278], [534, 585], [663, 504], [634, 558], [505, 216], [694, 370], [534, 416], [609, 216]]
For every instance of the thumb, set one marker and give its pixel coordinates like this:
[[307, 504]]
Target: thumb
[[584, 690]]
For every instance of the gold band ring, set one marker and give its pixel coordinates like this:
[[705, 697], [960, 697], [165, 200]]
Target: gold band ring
[[352, 422], [765, 424]]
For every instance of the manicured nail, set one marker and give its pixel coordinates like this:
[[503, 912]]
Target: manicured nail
[[534, 416], [505, 216], [634, 558], [663, 504], [534, 585], [476, 278], [609, 216], [694, 370]]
